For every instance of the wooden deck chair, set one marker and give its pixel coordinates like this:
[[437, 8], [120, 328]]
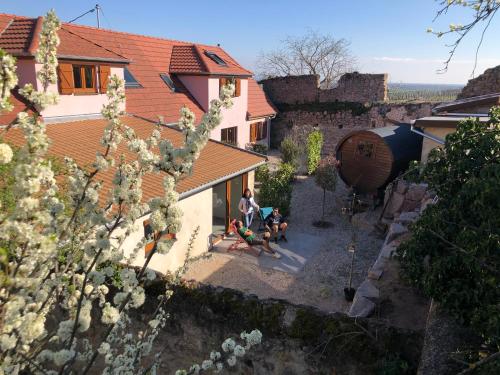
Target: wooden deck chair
[[246, 247]]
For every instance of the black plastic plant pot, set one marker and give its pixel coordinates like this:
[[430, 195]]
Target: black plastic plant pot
[[349, 294]]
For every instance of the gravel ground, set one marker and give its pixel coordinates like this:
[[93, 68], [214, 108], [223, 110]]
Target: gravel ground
[[325, 275]]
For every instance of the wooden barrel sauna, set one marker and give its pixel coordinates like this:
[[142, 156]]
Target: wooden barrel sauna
[[371, 158]]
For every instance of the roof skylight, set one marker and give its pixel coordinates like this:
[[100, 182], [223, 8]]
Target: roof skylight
[[168, 81], [130, 80], [215, 58]]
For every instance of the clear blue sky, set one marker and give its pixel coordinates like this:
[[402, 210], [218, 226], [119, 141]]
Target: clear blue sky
[[386, 35]]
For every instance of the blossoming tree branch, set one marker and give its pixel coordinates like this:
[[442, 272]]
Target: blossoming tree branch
[[62, 248]]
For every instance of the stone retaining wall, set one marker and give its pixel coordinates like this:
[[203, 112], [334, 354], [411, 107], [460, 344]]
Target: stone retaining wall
[[404, 202], [296, 339]]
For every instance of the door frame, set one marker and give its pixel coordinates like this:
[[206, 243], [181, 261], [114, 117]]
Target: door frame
[[244, 184]]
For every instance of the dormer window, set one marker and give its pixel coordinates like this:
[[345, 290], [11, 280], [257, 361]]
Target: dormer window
[[130, 81], [218, 60], [82, 78], [168, 81]]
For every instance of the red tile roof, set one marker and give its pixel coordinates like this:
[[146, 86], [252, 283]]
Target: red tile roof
[[259, 104], [185, 59], [231, 68], [20, 104], [193, 59], [5, 19], [148, 56], [217, 161], [20, 38], [16, 37]]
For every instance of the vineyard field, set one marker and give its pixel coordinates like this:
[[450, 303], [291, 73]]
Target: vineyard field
[[407, 92]]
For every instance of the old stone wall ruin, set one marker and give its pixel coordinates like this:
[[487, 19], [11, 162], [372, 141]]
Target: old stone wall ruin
[[486, 83], [351, 87], [359, 101], [292, 89], [337, 119]]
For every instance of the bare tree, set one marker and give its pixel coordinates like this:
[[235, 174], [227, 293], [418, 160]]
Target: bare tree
[[313, 53], [484, 11]]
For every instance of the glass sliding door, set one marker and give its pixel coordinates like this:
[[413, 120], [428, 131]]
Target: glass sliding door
[[219, 208], [236, 192], [225, 200]]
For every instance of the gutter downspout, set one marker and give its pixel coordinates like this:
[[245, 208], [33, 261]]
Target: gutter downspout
[[429, 136]]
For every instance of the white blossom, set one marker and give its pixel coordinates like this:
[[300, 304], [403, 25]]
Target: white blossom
[[195, 369], [231, 361], [6, 153], [62, 356], [104, 348], [7, 342], [239, 351], [215, 356], [207, 364], [228, 345], [64, 252], [110, 314]]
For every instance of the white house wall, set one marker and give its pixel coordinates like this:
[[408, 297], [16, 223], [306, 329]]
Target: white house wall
[[197, 211]]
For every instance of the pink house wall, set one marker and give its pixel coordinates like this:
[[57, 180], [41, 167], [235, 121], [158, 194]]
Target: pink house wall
[[71, 105], [26, 72], [204, 89], [198, 87], [234, 116]]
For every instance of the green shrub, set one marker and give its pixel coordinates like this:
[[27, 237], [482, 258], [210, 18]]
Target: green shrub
[[290, 152], [453, 254], [285, 172], [276, 188], [414, 172], [259, 148], [314, 146], [262, 173]]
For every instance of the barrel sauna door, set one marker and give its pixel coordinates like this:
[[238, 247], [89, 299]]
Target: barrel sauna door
[[365, 161]]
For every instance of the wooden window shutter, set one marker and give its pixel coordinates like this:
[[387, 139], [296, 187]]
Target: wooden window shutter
[[222, 82], [156, 236], [253, 132], [148, 231], [237, 89], [65, 75], [104, 72]]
